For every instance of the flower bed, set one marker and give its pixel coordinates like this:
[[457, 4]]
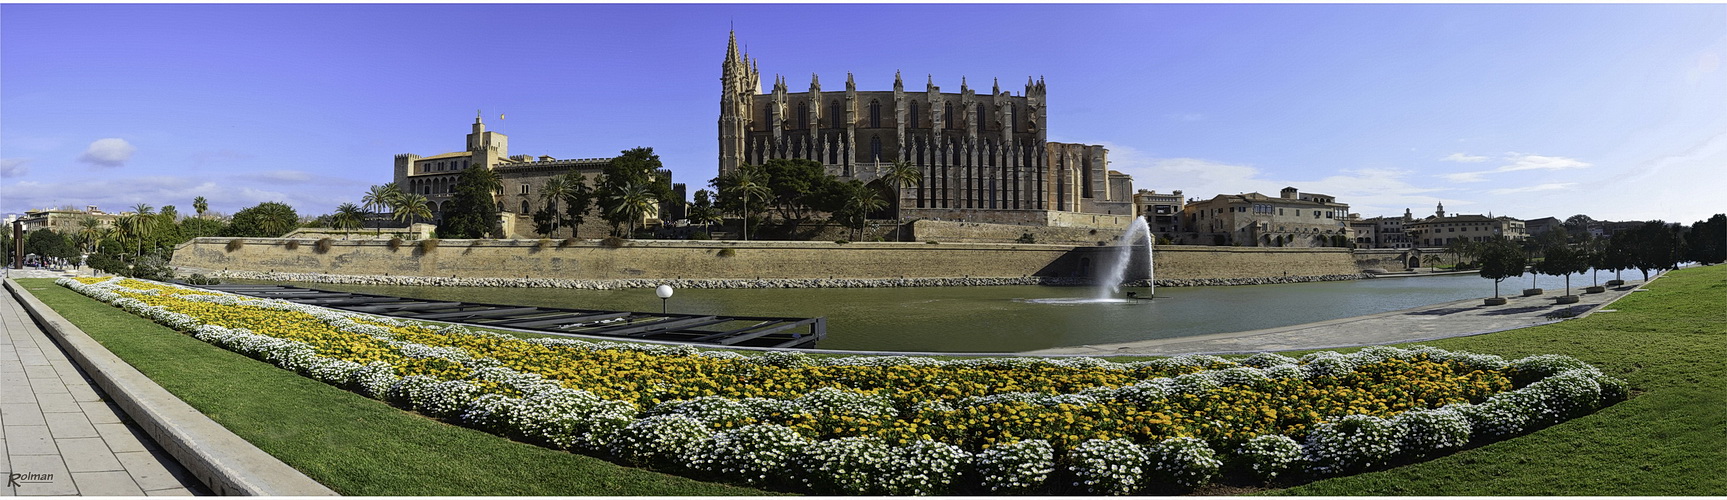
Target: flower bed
[[904, 425]]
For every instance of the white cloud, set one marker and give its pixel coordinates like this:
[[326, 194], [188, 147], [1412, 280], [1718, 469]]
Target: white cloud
[[1539, 187], [225, 195], [1369, 192], [14, 167], [283, 176], [110, 152], [1514, 162], [1463, 158]]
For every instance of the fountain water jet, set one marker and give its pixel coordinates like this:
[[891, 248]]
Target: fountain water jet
[[1111, 283]]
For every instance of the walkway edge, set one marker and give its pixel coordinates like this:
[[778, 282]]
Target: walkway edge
[[226, 463]]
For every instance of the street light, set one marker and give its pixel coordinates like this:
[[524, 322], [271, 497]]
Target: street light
[[665, 292]]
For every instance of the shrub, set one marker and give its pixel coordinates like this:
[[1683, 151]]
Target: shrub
[[613, 242], [660, 440], [841, 242], [567, 242], [291, 244], [1566, 395], [1027, 238], [199, 279], [701, 236], [1427, 432], [714, 411], [322, 246], [1183, 461], [236, 244], [1352, 443], [428, 245], [924, 467], [1019, 467], [1268, 360], [848, 466], [1108, 467], [726, 252], [757, 454], [1528, 370], [394, 243], [1265, 456], [1504, 414]]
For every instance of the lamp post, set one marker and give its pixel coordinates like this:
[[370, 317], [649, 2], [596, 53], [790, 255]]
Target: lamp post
[[665, 292]]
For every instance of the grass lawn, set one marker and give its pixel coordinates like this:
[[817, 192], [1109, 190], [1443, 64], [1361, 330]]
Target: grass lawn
[[352, 444], [1669, 342]]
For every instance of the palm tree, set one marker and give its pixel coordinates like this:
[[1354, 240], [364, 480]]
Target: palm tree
[[382, 197], [90, 232], [635, 201], [741, 182], [348, 216], [860, 201], [555, 190], [140, 224], [703, 211], [411, 207], [200, 204], [897, 176]]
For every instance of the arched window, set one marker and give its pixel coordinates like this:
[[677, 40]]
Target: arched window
[[874, 114], [836, 114], [1018, 126], [982, 123], [525, 207], [914, 114], [875, 148], [803, 115], [769, 109], [947, 115]]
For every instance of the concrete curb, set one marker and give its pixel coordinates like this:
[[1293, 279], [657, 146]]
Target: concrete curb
[[226, 463]]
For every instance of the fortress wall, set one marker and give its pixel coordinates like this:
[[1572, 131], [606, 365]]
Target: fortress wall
[[745, 260]]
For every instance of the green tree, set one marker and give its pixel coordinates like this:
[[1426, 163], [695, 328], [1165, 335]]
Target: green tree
[[1501, 260], [201, 205], [348, 216], [90, 234], [269, 219], [380, 198], [578, 198], [800, 186], [703, 210], [860, 200], [49, 243], [198, 228], [744, 189], [473, 212], [1656, 245], [636, 169], [411, 207], [551, 195], [1618, 254], [1561, 260], [633, 202], [897, 177], [1707, 243]]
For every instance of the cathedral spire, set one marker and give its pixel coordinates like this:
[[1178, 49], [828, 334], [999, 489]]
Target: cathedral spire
[[897, 83], [997, 90]]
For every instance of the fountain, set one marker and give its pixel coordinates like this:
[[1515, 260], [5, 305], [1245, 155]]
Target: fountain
[[1109, 286]]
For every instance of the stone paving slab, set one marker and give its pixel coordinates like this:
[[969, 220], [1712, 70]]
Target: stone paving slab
[[49, 413], [1451, 319]]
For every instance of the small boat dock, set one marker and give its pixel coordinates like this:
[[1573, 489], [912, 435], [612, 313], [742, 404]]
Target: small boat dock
[[738, 331]]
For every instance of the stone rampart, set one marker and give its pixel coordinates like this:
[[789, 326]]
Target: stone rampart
[[739, 260]]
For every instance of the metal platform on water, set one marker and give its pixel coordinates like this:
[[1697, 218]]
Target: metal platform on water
[[741, 331]]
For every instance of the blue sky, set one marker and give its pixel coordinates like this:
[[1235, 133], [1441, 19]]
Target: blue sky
[[1616, 111]]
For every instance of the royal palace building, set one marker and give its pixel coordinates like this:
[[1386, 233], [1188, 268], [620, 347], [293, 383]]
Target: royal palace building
[[982, 157]]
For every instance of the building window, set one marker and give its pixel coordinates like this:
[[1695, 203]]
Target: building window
[[982, 122], [803, 115], [914, 120], [875, 148], [875, 114], [524, 189], [838, 114], [1018, 126], [525, 207], [947, 115], [769, 109]]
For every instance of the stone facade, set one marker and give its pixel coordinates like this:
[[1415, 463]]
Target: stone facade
[[521, 176], [986, 153], [1294, 219], [1440, 230], [1162, 211], [64, 219], [642, 260]]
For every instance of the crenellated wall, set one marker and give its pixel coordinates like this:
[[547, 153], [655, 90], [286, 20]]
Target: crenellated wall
[[744, 260]]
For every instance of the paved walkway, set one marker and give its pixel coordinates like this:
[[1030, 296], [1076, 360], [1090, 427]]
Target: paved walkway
[[1452, 319], [61, 436]]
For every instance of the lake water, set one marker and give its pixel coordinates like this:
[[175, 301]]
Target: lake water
[[1020, 318]]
